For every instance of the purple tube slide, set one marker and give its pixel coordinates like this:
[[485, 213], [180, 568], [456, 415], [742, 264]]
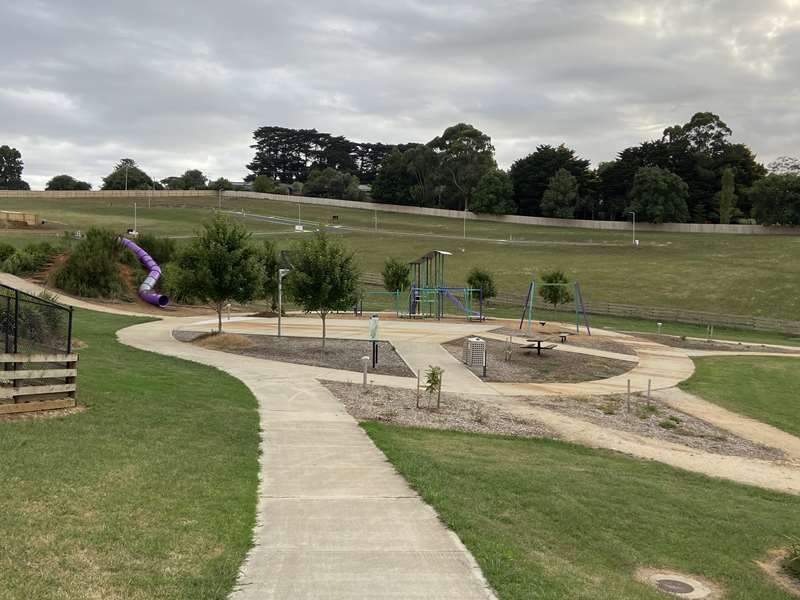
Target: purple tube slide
[[147, 288]]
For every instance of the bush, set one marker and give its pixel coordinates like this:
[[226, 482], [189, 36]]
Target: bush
[[481, 279], [6, 250], [162, 250], [92, 270], [396, 275], [792, 560], [30, 259]]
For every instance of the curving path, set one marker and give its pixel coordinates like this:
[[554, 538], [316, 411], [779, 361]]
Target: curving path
[[335, 518]]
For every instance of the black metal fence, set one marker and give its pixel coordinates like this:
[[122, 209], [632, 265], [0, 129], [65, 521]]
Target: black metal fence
[[34, 324]]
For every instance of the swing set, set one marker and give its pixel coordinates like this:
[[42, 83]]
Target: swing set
[[429, 290], [530, 301]]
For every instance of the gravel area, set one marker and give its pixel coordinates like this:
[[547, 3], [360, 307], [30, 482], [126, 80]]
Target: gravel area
[[656, 420], [677, 342], [379, 403], [526, 366], [338, 354], [584, 341]]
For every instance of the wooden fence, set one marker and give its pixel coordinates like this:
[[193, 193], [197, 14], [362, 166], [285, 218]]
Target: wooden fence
[[34, 382]]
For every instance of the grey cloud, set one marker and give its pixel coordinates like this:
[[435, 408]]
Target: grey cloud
[[181, 84]]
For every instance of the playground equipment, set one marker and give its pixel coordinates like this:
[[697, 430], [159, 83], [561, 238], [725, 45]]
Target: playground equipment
[[147, 288], [429, 290], [530, 301], [377, 295]]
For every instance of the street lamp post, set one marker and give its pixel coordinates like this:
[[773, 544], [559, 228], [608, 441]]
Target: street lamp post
[[281, 274], [633, 212]]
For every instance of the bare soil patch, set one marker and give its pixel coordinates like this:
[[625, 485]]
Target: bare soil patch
[[525, 366], [655, 420], [339, 354], [226, 342], [688, 344], [399, 406], [595, 342]]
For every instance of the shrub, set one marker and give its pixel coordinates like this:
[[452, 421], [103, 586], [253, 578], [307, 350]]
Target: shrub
[[792, 560], [6, 250], [161, 249], [92, 269], [483, 280], [30, 259], [396, 275]]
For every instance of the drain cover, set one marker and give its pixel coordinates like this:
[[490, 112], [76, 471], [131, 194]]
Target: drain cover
[[673, 586]]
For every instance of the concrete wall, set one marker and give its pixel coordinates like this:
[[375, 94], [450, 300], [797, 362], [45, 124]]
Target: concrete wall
[[432, 212]]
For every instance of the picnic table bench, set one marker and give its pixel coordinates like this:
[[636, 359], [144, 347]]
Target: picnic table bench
[[537, 343]]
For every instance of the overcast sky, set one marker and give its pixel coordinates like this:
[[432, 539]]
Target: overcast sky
[[178, 84]]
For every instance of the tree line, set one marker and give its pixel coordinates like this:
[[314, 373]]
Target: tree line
[[693, 173]]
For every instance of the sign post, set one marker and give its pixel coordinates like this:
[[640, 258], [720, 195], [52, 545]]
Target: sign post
[[373, 336]]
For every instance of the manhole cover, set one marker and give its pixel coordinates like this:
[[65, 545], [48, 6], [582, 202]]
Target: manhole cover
[[678, 584], [673, 586]]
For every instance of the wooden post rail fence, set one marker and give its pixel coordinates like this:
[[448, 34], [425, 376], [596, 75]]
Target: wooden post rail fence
[[34, 382]]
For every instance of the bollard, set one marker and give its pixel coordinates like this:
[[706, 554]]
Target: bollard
[[659, 328], [365, 362]]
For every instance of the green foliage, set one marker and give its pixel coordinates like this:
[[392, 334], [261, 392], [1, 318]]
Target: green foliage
[[6, 250], [11, 169], [556, 293], [433, 379], [465, 155], [267, 256], [494, 194], [482, 279], [161, 249], [396, 275], [220, 184], [330, 183], [127, 172], [776, 200], [324, 277], [92, 269], [561, 196], [727, 196], [531, 175], [659, 196], [792, 559], [29, 259], [218, 266], [408, 177], [193, 179], [266, 185], [67, 183]]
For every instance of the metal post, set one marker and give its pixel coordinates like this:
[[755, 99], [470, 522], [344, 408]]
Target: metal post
[[280, 301], [577, 312], [16, 321], [485, 357], [530, 307]]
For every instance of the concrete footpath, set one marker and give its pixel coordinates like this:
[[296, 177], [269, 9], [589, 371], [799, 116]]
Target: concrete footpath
[[335, 520]]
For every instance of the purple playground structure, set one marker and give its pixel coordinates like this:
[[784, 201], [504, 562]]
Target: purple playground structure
[[147, 288]]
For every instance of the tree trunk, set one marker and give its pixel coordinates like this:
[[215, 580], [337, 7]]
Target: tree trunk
[[323, 315], [219, 316]]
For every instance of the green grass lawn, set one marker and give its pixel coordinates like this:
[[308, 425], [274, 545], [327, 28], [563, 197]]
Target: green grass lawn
[[148, 494], [749, 275], [549, 520], [761, 387]]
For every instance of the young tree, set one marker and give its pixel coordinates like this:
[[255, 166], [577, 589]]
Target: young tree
[[220, 184], [324, 277], [727, 197], [66, 183], [269, 264], [561, 196], [481, 279], [558, 292], [659, 196], [396, 275], [330, 183], [220, 265], [494, 194]]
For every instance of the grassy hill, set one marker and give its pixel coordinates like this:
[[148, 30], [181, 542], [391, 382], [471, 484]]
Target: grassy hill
[[748, 275]]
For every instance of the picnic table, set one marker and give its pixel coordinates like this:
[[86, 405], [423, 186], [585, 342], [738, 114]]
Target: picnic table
[[564, 335], [532, 343]]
